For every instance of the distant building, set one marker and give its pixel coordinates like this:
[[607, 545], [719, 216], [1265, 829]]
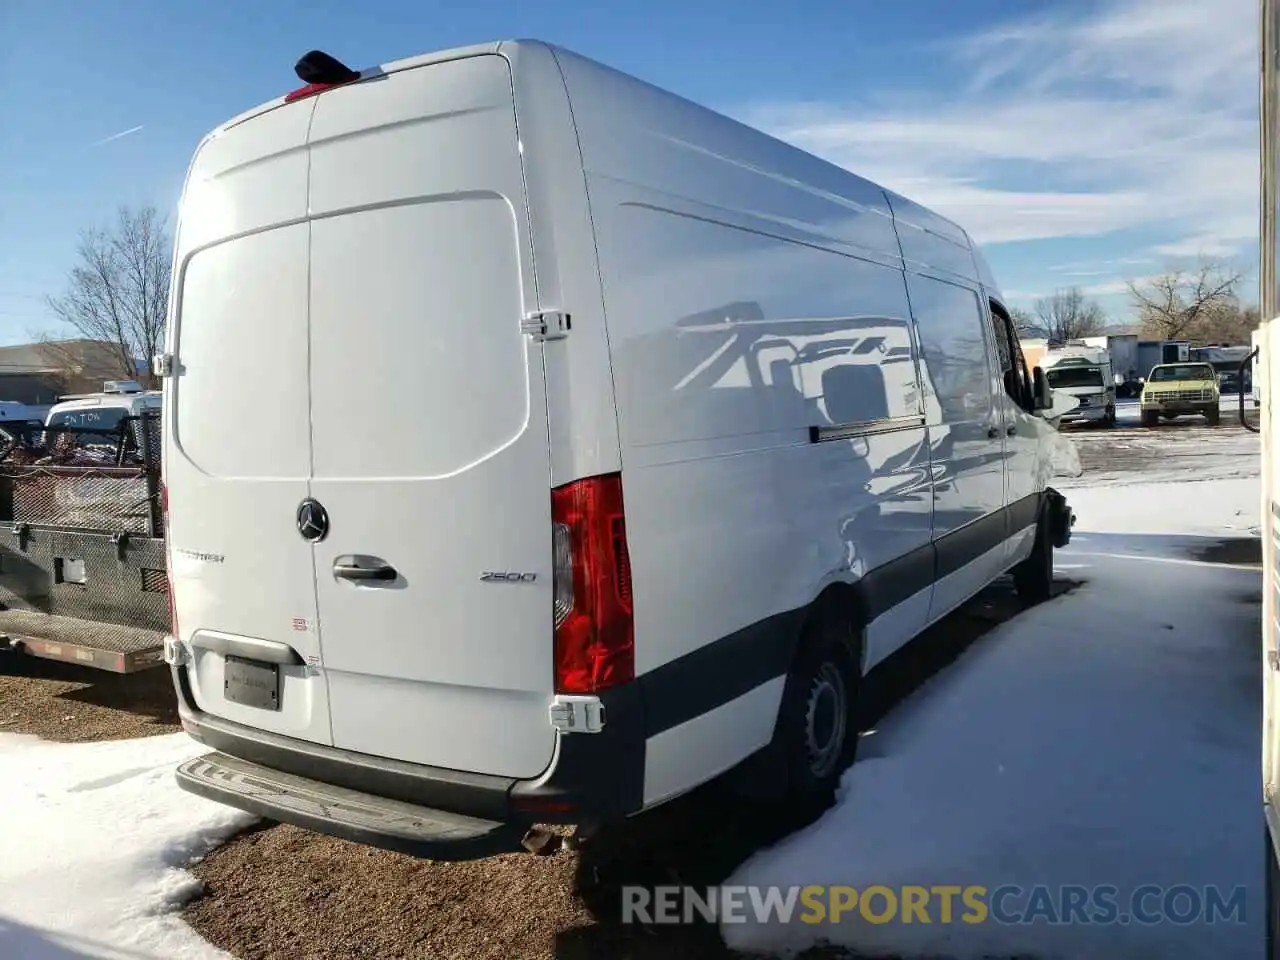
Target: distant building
[[39, 373]]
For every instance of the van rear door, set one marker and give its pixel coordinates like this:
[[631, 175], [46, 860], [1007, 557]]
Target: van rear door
[[243, 579], [428, 423]]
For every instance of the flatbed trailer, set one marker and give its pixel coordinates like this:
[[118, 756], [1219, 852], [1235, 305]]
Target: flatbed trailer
[[82, 552]]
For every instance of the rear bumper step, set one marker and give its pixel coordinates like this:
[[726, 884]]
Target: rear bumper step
[[349, 814]]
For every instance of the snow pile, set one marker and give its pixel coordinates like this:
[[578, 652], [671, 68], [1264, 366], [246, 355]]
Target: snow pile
[[1206, 508], [95, 841], [1109, 737]]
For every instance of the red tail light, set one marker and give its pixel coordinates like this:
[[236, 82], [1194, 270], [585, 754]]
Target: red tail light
[[595, 633], [310, 90], [164, 510]]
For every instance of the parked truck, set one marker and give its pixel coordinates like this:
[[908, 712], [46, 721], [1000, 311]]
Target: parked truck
[[1085, 373], [82, 559]]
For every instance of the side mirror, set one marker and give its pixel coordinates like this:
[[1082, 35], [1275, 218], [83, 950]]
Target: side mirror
[[1041, 392]]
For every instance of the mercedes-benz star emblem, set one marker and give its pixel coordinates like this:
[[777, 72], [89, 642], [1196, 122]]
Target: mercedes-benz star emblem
[[313, 520]]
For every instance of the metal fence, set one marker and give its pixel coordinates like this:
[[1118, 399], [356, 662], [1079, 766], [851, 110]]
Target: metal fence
[[83, 478]]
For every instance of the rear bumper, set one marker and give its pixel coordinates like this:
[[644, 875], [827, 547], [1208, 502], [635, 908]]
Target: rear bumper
[[592, 777], [1085, 413]]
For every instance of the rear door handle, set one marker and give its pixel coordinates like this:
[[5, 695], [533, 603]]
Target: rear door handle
[[993, 432], [1012, 429], [363, 568]]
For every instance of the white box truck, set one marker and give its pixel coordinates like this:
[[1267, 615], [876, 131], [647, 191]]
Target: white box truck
[[668, 433]]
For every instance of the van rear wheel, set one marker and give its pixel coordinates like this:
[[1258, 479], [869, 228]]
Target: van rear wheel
[[817, 724]]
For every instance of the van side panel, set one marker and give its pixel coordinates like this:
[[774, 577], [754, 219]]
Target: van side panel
[[753, 295]]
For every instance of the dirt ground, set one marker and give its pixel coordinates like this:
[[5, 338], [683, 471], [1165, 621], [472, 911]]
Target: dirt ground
[[72, 704]]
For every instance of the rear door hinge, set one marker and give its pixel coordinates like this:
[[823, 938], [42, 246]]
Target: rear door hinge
[[1273, 659], [545, 325], [570, 714], [162, 364]]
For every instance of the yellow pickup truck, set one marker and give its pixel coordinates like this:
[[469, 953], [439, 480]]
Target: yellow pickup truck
[[1173, 389]]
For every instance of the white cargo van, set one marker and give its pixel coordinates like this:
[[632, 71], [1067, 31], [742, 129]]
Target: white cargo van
[[668, 433]]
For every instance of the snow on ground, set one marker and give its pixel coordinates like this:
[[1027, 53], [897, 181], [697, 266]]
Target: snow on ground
[[95, 839], [1108, 737]]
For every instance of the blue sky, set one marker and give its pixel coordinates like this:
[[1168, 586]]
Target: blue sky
[[1080, 143]]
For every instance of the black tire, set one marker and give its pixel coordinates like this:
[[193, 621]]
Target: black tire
[[1212, 416], [817, 725], [1150, 418], [1110, 419], [1033, 577]]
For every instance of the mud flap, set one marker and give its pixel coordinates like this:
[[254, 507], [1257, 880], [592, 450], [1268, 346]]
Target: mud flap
[[1061, 517]]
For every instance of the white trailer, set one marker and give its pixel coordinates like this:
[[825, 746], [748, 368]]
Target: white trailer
[[1150, 353], [1125, 369]]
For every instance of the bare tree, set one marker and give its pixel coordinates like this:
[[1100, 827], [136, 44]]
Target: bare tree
[[1069, 314], [1181, 304], [1228, 322], [119, 291]]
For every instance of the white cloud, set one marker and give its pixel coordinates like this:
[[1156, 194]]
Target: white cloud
[[1140, 114]]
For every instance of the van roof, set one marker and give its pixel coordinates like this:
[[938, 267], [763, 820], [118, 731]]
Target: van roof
[[924, 235], [454, 53]]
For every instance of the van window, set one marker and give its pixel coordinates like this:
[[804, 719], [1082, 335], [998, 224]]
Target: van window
[[1013, 366], [90, 418], [1182, 371], [950, 320], [415, 323], [1074, 377], [243, 327]]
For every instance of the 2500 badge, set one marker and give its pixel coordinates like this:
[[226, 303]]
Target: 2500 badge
[[495, 577]]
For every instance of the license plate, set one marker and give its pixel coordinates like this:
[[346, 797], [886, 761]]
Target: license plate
[[251, 683]]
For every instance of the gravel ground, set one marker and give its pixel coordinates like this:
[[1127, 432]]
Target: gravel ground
[[1183, 448], [72, 704]]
